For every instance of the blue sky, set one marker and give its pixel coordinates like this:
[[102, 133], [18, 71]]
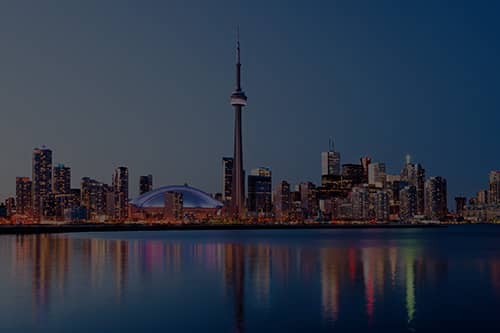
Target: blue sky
[[146, 84]]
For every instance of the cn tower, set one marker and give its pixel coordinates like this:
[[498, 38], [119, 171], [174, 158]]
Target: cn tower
[[238, 101]]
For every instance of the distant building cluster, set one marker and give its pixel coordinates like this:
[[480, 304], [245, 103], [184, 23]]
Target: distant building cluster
[[347, 192], [485, 206], [48, 195]]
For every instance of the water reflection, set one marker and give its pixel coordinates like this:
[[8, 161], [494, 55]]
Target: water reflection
[[353, 281]]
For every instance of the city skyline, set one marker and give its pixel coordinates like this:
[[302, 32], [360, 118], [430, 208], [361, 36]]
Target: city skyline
[[100, 129]]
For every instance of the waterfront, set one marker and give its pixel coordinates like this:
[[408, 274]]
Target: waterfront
[[379, 280]]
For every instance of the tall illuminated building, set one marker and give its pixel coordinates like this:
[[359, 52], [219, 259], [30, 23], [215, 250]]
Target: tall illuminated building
[[436, 198], [42, 179], [494, 192], [360, 199], [238, 101], [376, 174], [23, 195], [460, 203], [260, 191], [10, 204], [227, 180], [354, 173], [382, 205], [120, 187], [308, 199], [282, 200], [145, 184], [330, 161], [94, 197], [408, 202], [414, 174], [61, 179]]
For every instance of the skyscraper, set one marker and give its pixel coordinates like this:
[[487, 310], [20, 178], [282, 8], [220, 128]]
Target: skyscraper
[[494, 192], [330, 161], [23, 195], [62, 180], [282, 200], [227, 180], [460, 203], [308, 199], [120, 187], [435, 198], [414, 174], [376, 174], [408, 205], [94, 195], [42, 179], [238, 101], [145, 184], [382, 205], [360, 199], [260, 191]]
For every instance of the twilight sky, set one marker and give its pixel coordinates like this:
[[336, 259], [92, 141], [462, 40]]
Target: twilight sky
[[146, 84]]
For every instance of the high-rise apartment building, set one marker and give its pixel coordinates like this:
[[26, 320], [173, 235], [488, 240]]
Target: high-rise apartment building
[[41, 180], [260, 191], [94, 196], [408, 202], [145, 184], [227, 180], [282, 200], [360, 199], [382, 205], [435, 198], [308, 199], [120, 186], [494, 192], [23, 195], [460, 203], [61, 179], [414, 174]]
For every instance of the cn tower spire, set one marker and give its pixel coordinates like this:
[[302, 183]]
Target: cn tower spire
[[238, 101], [238, 61]]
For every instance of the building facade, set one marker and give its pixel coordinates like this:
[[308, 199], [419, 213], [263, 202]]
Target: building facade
[[227, 180], [282, 200], [145, 184], [23, 195], [41, 180], [120, 187], [436, 198], [260, 192], [330, 161]]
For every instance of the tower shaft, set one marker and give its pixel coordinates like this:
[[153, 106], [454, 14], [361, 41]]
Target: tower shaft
[[238, 178]]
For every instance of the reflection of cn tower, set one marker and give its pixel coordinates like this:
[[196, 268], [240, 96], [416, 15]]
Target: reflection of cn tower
[[238, 101], [235, 280]]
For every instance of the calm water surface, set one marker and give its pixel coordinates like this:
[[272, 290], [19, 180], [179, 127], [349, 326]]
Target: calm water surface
[[412, 280]]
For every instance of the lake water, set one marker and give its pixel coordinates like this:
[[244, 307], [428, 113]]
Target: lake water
[[372, 280]]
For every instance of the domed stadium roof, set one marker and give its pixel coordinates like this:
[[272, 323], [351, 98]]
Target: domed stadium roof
[[192, 198]]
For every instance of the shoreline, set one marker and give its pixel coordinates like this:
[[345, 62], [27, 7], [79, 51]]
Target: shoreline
[[76, 228]]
